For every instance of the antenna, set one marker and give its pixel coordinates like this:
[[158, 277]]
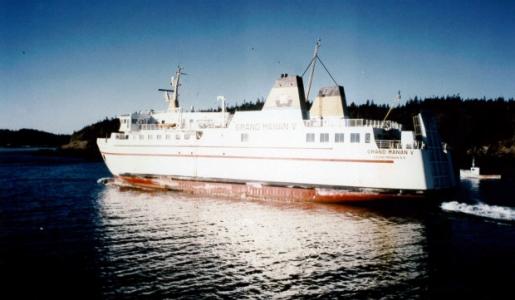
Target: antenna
[[398, 98]]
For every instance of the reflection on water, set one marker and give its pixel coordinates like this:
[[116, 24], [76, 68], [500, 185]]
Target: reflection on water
[[469, 190], [62, 235], [168, 244]]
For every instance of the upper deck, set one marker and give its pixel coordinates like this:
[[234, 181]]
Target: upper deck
[[284, 118]]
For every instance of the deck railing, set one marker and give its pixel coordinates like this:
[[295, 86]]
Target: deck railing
[[389, 144], [207, 123], [352, 123], [149, 126], [396, 144]]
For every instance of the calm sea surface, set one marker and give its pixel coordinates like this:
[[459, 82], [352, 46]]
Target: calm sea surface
[[64, 235]]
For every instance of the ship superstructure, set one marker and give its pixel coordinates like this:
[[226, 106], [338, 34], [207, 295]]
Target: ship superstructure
[[282, 151]]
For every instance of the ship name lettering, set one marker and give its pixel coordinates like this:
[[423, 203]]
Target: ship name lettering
[[266, 126], [398, 151], [248, 126], [276, 126], [389, 152], [377, 151]]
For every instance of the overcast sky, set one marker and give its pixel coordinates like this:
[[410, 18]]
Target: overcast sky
[[66, 64]]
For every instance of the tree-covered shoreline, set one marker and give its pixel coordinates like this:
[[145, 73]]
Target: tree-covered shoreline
[[479, 128], [31, 138], [81, 143]]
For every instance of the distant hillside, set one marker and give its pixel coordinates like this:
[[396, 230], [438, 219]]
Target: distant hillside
[[31, 138], [83, 142]]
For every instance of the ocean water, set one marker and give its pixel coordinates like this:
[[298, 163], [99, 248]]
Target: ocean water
[[63, 235]]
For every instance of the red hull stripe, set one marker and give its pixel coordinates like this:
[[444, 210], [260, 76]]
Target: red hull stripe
[[245, 191], [257, 157]]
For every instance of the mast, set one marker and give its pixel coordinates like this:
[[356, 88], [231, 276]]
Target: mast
[[222, 100], [398, 98], [313, 63], [173, 103], [172, 96]]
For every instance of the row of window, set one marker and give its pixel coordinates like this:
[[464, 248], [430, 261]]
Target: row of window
[[159, 137], [324, 137], [338, 137], [310, 137]]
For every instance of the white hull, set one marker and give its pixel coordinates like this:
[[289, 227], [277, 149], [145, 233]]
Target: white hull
[[291, 164], [467, 174]]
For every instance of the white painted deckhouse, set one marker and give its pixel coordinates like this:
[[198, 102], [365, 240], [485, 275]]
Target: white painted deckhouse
[[283, 151]]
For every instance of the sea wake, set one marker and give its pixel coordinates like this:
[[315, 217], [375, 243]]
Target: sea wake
[[105, 180], [481, 210]]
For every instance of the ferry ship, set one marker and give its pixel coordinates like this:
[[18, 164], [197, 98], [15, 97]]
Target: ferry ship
[[283, 151]]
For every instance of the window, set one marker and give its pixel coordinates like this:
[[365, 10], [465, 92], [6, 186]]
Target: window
[[324, 137], [158, 137], [177, 136], [339, 137], [167, 137], [141, 137], [187, 136], [367, 137], [354, 137], [244, 137], [149, 136], [310, 137]]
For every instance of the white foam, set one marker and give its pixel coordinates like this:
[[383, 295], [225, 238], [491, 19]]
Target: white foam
[[255, 184], [105, 180], [481, 210]]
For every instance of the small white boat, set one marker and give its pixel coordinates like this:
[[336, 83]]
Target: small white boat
[[473, 172]]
